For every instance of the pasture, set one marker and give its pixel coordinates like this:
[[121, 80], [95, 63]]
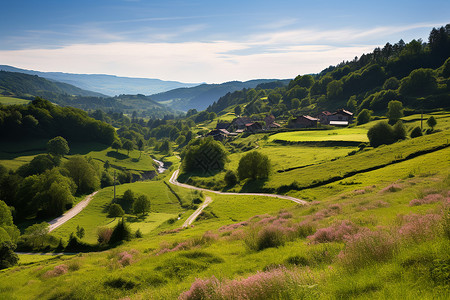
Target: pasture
[[340, 135]]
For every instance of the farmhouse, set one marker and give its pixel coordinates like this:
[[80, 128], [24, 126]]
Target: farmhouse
[[239, 123], [253, 127], [303, 122], [223, 125], [341, 117], [218, 134]]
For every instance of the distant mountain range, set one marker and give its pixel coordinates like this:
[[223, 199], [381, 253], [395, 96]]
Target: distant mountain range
[[57, 87], [109, 85], [200, 97]]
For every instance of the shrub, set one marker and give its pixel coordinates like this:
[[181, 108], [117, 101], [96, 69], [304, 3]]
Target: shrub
[[115, 210], [367, 247], [7, 256], [230, 178], [381, 133], [416, 132], [432, 198], [57, 271], [419, 228], [399, 131], [336, 232], [104, 235], [363, 117]]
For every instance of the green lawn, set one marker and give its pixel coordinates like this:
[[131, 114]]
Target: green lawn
[[343, 134], [382, 155], [163, 206]]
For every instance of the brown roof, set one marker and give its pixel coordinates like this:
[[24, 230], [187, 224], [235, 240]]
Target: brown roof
[[326, 113]]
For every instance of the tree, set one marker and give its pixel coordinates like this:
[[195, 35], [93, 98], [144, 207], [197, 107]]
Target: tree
[[140, 145], [37, 233], [80, 232], [391, 84], [381, 133], [58, 146], [7, 256], [363, 117], [121, 232], [115, 210], [128, 197], [399, 131], [141, 205], [431, 122], [254, 165], [416, 132], [204, 156], [238, 110], [395, 111], [352, 105], [116, 144], [83, 174], [334, 89], [128, 145], [230, 178]]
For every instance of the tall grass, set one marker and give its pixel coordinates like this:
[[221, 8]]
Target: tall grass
[[279, 283]]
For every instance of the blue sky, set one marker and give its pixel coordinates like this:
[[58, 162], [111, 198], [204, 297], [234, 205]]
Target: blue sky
[[205, 41]]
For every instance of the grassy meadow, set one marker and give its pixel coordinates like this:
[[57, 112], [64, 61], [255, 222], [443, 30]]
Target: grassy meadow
[[12, 101], [376, 226], [341, 135]]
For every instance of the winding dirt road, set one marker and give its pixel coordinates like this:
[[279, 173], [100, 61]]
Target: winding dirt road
[[196, 213], [55, 223], [208, 200], [173, 180]]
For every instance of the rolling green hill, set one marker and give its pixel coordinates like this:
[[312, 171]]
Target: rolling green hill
[[202, 96]]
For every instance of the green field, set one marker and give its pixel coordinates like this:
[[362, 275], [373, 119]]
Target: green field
[[344, 135], [163, 206], [12, 101]]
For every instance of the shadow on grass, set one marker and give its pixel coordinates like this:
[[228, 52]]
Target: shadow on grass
[[117, 155], [253, 186], [85, 148]]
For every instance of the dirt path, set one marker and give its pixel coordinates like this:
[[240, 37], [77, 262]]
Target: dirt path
[[55, 223], [196, 213], [173, 180]]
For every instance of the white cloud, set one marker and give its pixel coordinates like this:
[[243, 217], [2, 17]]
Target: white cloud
[[188, 62]]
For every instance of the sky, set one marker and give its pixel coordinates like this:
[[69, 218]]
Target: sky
[[205, 40]]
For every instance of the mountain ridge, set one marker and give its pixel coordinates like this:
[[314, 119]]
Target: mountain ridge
[[109, 85]]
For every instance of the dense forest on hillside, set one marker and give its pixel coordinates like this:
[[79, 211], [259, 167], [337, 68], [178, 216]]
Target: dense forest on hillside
[[42, 119], [415, 73]]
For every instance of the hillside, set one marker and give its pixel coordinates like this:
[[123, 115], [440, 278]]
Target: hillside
[[416, 73], [202, 96], [30, 86], [107, 84], [20, 84]]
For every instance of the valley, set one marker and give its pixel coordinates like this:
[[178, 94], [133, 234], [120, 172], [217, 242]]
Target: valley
[[333, 185]]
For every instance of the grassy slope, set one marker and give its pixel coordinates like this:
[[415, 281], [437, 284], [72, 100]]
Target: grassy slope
[[344, 134], [12, 101], [166, 276], [234, 260]]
